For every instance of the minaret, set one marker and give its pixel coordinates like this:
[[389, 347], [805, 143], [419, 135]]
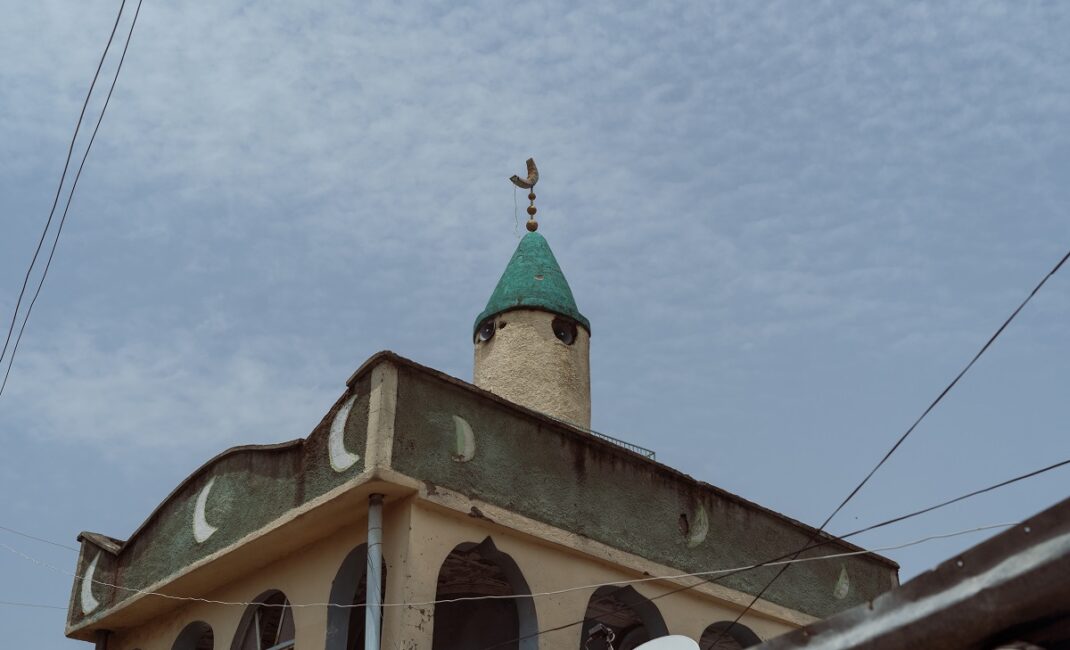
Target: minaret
[[532, 344]]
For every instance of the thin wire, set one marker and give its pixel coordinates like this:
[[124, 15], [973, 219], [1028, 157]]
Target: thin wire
[[516, 215], [8, 603], [39, 539], [747, 568], [832, 540], [903, 437], [724, 573], [63, 177], [143, 592], [70, 196]]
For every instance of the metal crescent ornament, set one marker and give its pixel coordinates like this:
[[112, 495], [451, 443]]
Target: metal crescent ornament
[[341, 458], [88, 602], [202, 530], [532, 178]]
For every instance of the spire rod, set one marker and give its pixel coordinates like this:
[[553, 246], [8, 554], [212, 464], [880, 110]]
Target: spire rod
[[529, 184]]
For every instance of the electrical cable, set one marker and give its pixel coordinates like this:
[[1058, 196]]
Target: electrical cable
[[748, 568], [63, 176], [721, 573], [831, 540], [39, 539], [904, 436], [143, 592], [70, 196], [8, 603]]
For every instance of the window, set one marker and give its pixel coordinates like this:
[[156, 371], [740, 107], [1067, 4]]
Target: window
[[195, 636], [345, 625], [633, 619], [268, 625], [724, 635], [482, 570], [564, 330]]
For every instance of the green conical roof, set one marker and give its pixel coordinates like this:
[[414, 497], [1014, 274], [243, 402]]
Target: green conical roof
[[533, 280]]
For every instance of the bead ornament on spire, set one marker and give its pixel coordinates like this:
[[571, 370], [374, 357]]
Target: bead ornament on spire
[[529, 184]]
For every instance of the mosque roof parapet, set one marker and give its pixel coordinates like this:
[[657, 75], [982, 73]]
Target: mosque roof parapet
[[400, 424]]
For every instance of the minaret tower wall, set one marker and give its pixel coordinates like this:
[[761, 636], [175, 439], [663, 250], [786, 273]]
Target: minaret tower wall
[[527, 363]]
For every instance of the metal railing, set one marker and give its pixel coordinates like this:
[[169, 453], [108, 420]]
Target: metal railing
[[642, 451]]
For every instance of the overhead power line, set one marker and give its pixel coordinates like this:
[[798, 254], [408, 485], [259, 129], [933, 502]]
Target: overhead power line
[[62, 177], [711, 576], [143, 592], [811, 545], [67, 206], [38, 539], [831, 539], [8, 603], [906, 434]]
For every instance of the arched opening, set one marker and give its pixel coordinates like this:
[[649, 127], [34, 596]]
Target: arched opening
[[630, 617], [195, 636], [345, 625], [725, 635], [482, 570], [269, 624]]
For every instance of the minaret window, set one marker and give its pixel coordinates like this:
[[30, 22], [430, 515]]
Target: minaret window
[[486, 331], [564, 330]]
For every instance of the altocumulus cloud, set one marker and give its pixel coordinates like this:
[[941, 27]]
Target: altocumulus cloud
[[136, 397]]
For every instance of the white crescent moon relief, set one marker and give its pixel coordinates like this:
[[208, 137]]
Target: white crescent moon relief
[[341, 458], [843, 585], [465, 444], [700, 528], [202, 530], [88, 602]]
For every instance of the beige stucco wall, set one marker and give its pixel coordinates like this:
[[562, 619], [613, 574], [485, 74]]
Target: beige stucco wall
[[525, 363], [419, 532], [549, 567], [304, 576]]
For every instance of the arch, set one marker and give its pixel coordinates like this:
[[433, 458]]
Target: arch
[[268, 623], [632, 618], [725, 635], [345, 625], [482, 570], [195, 636]]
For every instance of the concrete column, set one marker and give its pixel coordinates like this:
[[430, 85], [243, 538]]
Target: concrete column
[[410, 577]]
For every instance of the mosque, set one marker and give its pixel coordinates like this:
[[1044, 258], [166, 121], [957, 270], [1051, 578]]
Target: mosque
[[426, 512]]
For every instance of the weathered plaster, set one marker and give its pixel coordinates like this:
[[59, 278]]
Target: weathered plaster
[[525, 363], [381, 415], [572, 481], [532, 478], [243, 491], [632, 565], [303, 575], [547, 566]]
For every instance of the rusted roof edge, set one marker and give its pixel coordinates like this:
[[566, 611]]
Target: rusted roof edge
[[1011, 580]]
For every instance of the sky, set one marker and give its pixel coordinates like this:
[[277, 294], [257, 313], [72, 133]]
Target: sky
[[790, 224]]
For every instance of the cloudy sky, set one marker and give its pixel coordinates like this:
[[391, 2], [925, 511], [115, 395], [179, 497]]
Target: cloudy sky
[[790, 225]]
